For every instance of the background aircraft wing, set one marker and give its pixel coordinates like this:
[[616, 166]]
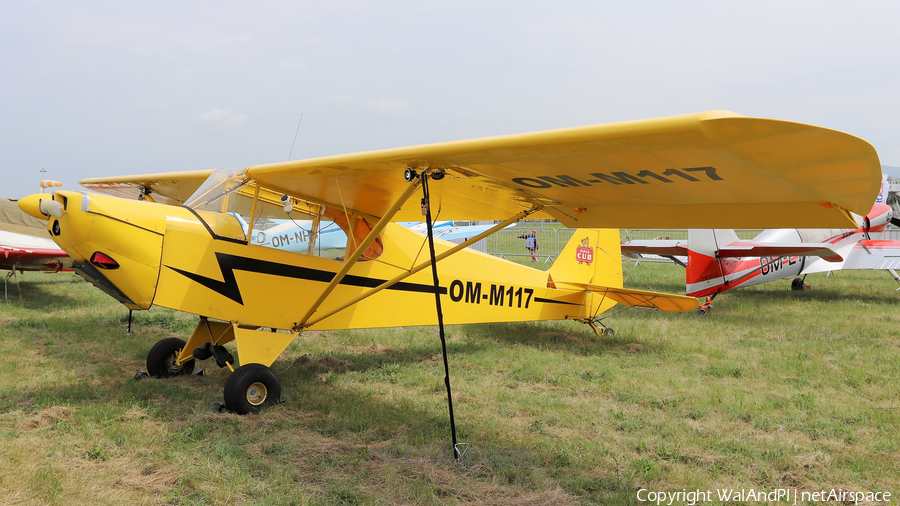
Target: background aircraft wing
[[827, 252], [867, 254], [641, 298], [714, 169]]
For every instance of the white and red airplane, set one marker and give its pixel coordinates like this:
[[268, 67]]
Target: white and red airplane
[[25, 244], [718, 261]]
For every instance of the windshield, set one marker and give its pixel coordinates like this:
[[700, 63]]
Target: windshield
[[222, 202], [234, 206], [214, 192]]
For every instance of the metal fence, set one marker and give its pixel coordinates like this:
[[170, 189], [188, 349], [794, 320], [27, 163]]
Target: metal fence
[[891, 234], [510, 243]]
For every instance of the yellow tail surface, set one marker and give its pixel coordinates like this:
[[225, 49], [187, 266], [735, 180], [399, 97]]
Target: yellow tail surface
[[592, 256]]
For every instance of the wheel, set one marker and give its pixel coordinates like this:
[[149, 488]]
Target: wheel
[[162, 356], [702, 311], [608, 331], [250, 388], [797, 284]]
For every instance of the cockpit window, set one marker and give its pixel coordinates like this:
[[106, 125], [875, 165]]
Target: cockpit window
[[221, 199], [213, 195], [235, 207]]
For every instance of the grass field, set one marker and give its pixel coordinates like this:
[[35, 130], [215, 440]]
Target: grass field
[[773, 390]]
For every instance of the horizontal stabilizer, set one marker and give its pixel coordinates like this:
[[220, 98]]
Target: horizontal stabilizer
[[751, 249], [656, 247], [642, 298]]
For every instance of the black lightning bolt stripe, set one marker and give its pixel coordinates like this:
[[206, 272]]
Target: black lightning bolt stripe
[[551, 301], [230, 263]]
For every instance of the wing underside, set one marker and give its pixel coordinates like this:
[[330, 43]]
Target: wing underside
[[171, 188], [710, 170]]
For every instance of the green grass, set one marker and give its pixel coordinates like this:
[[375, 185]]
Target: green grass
[[774, 389]]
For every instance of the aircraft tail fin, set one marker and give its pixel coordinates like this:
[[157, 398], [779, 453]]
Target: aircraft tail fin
[[705, 270], [592, 256]]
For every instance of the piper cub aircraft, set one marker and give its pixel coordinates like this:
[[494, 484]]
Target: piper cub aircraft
[[718, 261], [710, 169]]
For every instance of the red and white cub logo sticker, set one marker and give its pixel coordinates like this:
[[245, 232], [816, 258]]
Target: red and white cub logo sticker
[[584, 253]]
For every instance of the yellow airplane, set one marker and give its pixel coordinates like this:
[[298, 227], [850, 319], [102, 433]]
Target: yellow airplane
[[174, 240]]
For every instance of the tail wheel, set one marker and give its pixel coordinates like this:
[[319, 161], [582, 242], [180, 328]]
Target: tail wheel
[[706, 307], [797, 284], [162, 359], [250, 388]]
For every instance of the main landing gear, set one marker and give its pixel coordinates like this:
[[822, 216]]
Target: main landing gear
[[798, 284], [251, 387]]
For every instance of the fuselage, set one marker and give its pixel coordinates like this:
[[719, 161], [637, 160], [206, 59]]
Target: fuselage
[[196, 261]]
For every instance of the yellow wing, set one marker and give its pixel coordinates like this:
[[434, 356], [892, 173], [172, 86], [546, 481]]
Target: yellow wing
[[708, 170], [165, 188]]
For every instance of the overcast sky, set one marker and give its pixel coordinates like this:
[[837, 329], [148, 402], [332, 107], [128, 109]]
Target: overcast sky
[[92, 89]]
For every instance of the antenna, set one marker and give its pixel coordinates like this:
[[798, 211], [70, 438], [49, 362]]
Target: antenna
[[295, 136]]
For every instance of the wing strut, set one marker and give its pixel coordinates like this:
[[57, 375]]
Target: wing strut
[[352, 259], [426, 208]]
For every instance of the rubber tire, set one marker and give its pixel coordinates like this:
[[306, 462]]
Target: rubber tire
[[239, 383], [161, 358], [797, 285]]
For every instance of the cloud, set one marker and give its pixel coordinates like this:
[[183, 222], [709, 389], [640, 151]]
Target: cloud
[[341, 100], [391, 106], [223, 118]]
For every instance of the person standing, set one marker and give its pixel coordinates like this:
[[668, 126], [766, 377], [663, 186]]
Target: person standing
[[531, 244]]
